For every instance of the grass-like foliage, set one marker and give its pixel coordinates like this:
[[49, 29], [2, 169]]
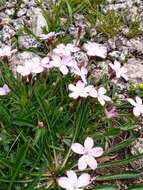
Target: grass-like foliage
[[40, 121]]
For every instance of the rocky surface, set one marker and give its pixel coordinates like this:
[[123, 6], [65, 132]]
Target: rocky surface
[[137, 148]]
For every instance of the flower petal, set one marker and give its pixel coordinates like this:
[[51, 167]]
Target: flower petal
[[100, 99], [71, 87], [101, 90], [106, 98], [136, 111], [64, 69], [88, 143], [138, 100], [82, 164], [64, 182], [84, 180], [131, 101], [97, 152], [92, 163], [72, 176], [77, 148]]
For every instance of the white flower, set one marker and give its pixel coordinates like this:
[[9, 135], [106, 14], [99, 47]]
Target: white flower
[[95, 49], [120, 71], [78, 90], [72, 182], [88, 153], [7, 51], [32, 66], [82, 72], [65, 50], [62, 63], [101, 96], [138, 106]]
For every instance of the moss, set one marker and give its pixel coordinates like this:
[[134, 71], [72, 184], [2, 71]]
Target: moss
[[109, 24]]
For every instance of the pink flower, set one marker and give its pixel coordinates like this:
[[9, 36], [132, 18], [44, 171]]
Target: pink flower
[[32, 66], [112, 113], [45, 62], [138, 106], [120, 71], [47, 36], [4, 90], [95, 49], [88, 153], [62, 63], [72, 182], [78, 90], [65, 50], [7, 51], [99, 94], [82, 72]]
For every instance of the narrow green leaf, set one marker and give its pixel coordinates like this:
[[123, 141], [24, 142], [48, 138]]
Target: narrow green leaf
[[121, 162], [69, 10], [104, 187], [136, 187], [18, 162], [121, 145], [125, 175]]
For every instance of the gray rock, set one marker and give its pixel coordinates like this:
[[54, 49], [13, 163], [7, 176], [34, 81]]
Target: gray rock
[[137, 148], [38, 21], [27, 42], [135, 70]]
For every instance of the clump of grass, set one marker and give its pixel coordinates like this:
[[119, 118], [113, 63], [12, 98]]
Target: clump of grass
[[134, 30], [2, 2], [109, 24]]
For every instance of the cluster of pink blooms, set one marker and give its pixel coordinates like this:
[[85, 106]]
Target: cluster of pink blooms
[[62, 58], [88, 154]]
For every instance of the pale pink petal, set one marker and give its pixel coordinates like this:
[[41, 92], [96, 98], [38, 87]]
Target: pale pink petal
[[92, 163], [88, 143], [106, 98], [6, 88], [82, 164], [112, 66], [136, 111], [72, 87], [125, 77], [77, 148], [100, 99], [23, 70], [97, 152], [138, 100], [74, 95], [2, 92], [64, 69], [83, 94], [93, 92], [84, 180], [72, 176], [131, 101], [117, 64], [64, 182], [80, 84], [37, 69], [101, 90], [45, 60], [14, 51]]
